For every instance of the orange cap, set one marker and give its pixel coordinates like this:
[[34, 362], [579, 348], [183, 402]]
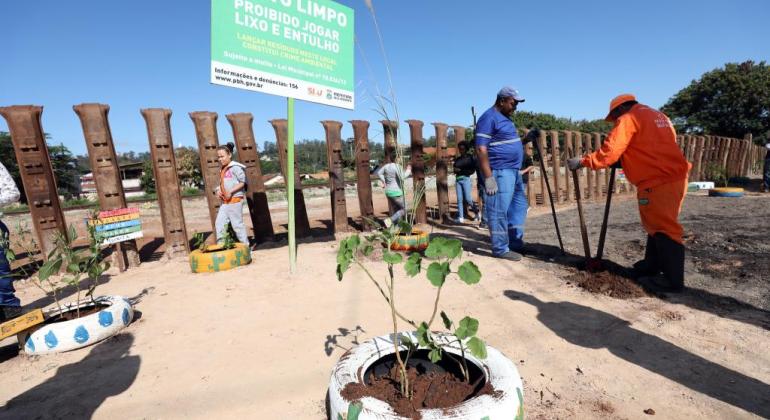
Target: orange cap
[[617, 101]]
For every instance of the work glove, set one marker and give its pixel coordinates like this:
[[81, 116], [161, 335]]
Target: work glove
[[574, 164], [533, 134], [490, 185]]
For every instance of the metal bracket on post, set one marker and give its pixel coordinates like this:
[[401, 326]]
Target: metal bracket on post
[[336, 176], [418, 169], [281, 135], [104, 165], [363, 177], [24, 124], [166, 180], [256, 194], [442, 164]]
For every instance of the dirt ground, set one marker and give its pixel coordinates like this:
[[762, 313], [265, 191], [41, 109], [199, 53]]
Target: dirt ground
[[258, 342]]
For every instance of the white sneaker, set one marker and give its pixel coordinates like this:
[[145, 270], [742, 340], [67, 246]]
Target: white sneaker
[[458, 220], [388, 223]]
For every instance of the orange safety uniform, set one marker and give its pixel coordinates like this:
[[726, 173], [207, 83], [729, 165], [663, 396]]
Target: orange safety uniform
[[645, 141]]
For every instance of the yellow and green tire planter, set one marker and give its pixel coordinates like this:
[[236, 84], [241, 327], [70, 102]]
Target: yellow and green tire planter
[[416, 241], [726, 192], [213, 258]]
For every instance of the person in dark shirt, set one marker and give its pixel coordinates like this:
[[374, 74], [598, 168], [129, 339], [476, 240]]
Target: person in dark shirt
[[464, 166]]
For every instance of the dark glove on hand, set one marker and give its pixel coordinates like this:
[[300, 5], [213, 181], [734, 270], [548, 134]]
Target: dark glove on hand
[[533, 134]]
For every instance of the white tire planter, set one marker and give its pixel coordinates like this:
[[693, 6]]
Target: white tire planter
[[497, 368], [69, 335]]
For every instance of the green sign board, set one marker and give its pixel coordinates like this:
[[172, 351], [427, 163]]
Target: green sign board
[[299, 49]]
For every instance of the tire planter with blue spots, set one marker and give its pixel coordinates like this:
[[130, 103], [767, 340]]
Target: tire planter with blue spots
[[56, 337]]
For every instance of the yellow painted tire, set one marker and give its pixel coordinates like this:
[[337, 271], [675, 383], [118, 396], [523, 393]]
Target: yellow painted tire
[[417, 241], [214, 258], [726, 192]]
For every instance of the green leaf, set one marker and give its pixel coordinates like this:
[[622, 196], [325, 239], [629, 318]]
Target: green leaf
[[412, 265], [367, 250], [73, 267], [468, 328], [49, 267], [477, 347], [405, 340], [435, 355], [452, 248], [73, 234], [392, 257], [341, 269], [354, 410], [423, 335], [469, 272], [447, 321], [437, 273], [435, 247]]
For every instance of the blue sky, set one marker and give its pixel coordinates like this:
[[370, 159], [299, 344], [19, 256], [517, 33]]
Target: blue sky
[[568, 58]]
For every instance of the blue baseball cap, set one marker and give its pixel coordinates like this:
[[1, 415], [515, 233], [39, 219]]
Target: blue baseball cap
[[509, 92]]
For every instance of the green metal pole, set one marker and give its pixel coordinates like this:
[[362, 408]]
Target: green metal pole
[[290, 186]]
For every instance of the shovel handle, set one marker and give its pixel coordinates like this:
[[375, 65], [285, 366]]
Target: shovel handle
[[603, 234], [583, 230]]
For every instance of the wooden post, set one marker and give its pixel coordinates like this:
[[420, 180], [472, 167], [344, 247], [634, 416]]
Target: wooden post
[[556, 166], [104, 166], [418, 169], [24, 124], [697, 164], [208, 141], [166, 180], [442, 164], [541, 152], [256, 194], [281, 135], [363, 177], [333, 131]]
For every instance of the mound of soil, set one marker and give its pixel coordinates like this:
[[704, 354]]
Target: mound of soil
[[430, 390], [606, 283]]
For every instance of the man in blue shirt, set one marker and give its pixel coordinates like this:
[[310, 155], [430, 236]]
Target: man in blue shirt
[[500, 152]]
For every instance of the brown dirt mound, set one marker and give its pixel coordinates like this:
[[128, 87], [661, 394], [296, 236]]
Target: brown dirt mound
[[606, 283], [430, 390]]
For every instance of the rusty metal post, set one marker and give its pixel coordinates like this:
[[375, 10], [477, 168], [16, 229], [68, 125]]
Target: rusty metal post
[[442, 165], [556, 166], [281, 135], [599, 175], [418, 169], [208, 141], [256, 195], [570, 147], [166, 180], [333, 131], [104, 166], [363, 177], [24, 124], [390, 136]]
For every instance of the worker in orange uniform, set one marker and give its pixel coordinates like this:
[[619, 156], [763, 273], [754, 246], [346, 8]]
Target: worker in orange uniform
[[644, 140]]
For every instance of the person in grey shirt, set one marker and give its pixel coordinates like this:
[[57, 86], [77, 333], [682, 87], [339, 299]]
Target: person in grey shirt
[[232, 184], [393, 175], [10, 306]]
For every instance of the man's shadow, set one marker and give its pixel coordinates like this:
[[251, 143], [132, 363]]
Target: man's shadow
[[591, 328], [78, 389]]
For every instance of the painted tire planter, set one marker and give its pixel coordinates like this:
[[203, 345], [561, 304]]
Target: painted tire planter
[[498, 369], [69, 335], [417, 241], [214, 258], [726, 192]]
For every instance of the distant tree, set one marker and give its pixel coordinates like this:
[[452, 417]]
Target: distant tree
[[188, 166], [592, 126], [729, 101], [83, 164], [526, 119], [147, 182], [65, 169]]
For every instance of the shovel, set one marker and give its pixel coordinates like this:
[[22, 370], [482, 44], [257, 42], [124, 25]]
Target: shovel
[[550, 196], [603, 234], [583, 230]]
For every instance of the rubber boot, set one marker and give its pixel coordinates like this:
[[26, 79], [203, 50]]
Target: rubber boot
[[649, 265], [671, 262]]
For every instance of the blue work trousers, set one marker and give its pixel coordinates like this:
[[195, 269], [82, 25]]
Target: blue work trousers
[[7, 292], [464, 197], [506, 212]]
